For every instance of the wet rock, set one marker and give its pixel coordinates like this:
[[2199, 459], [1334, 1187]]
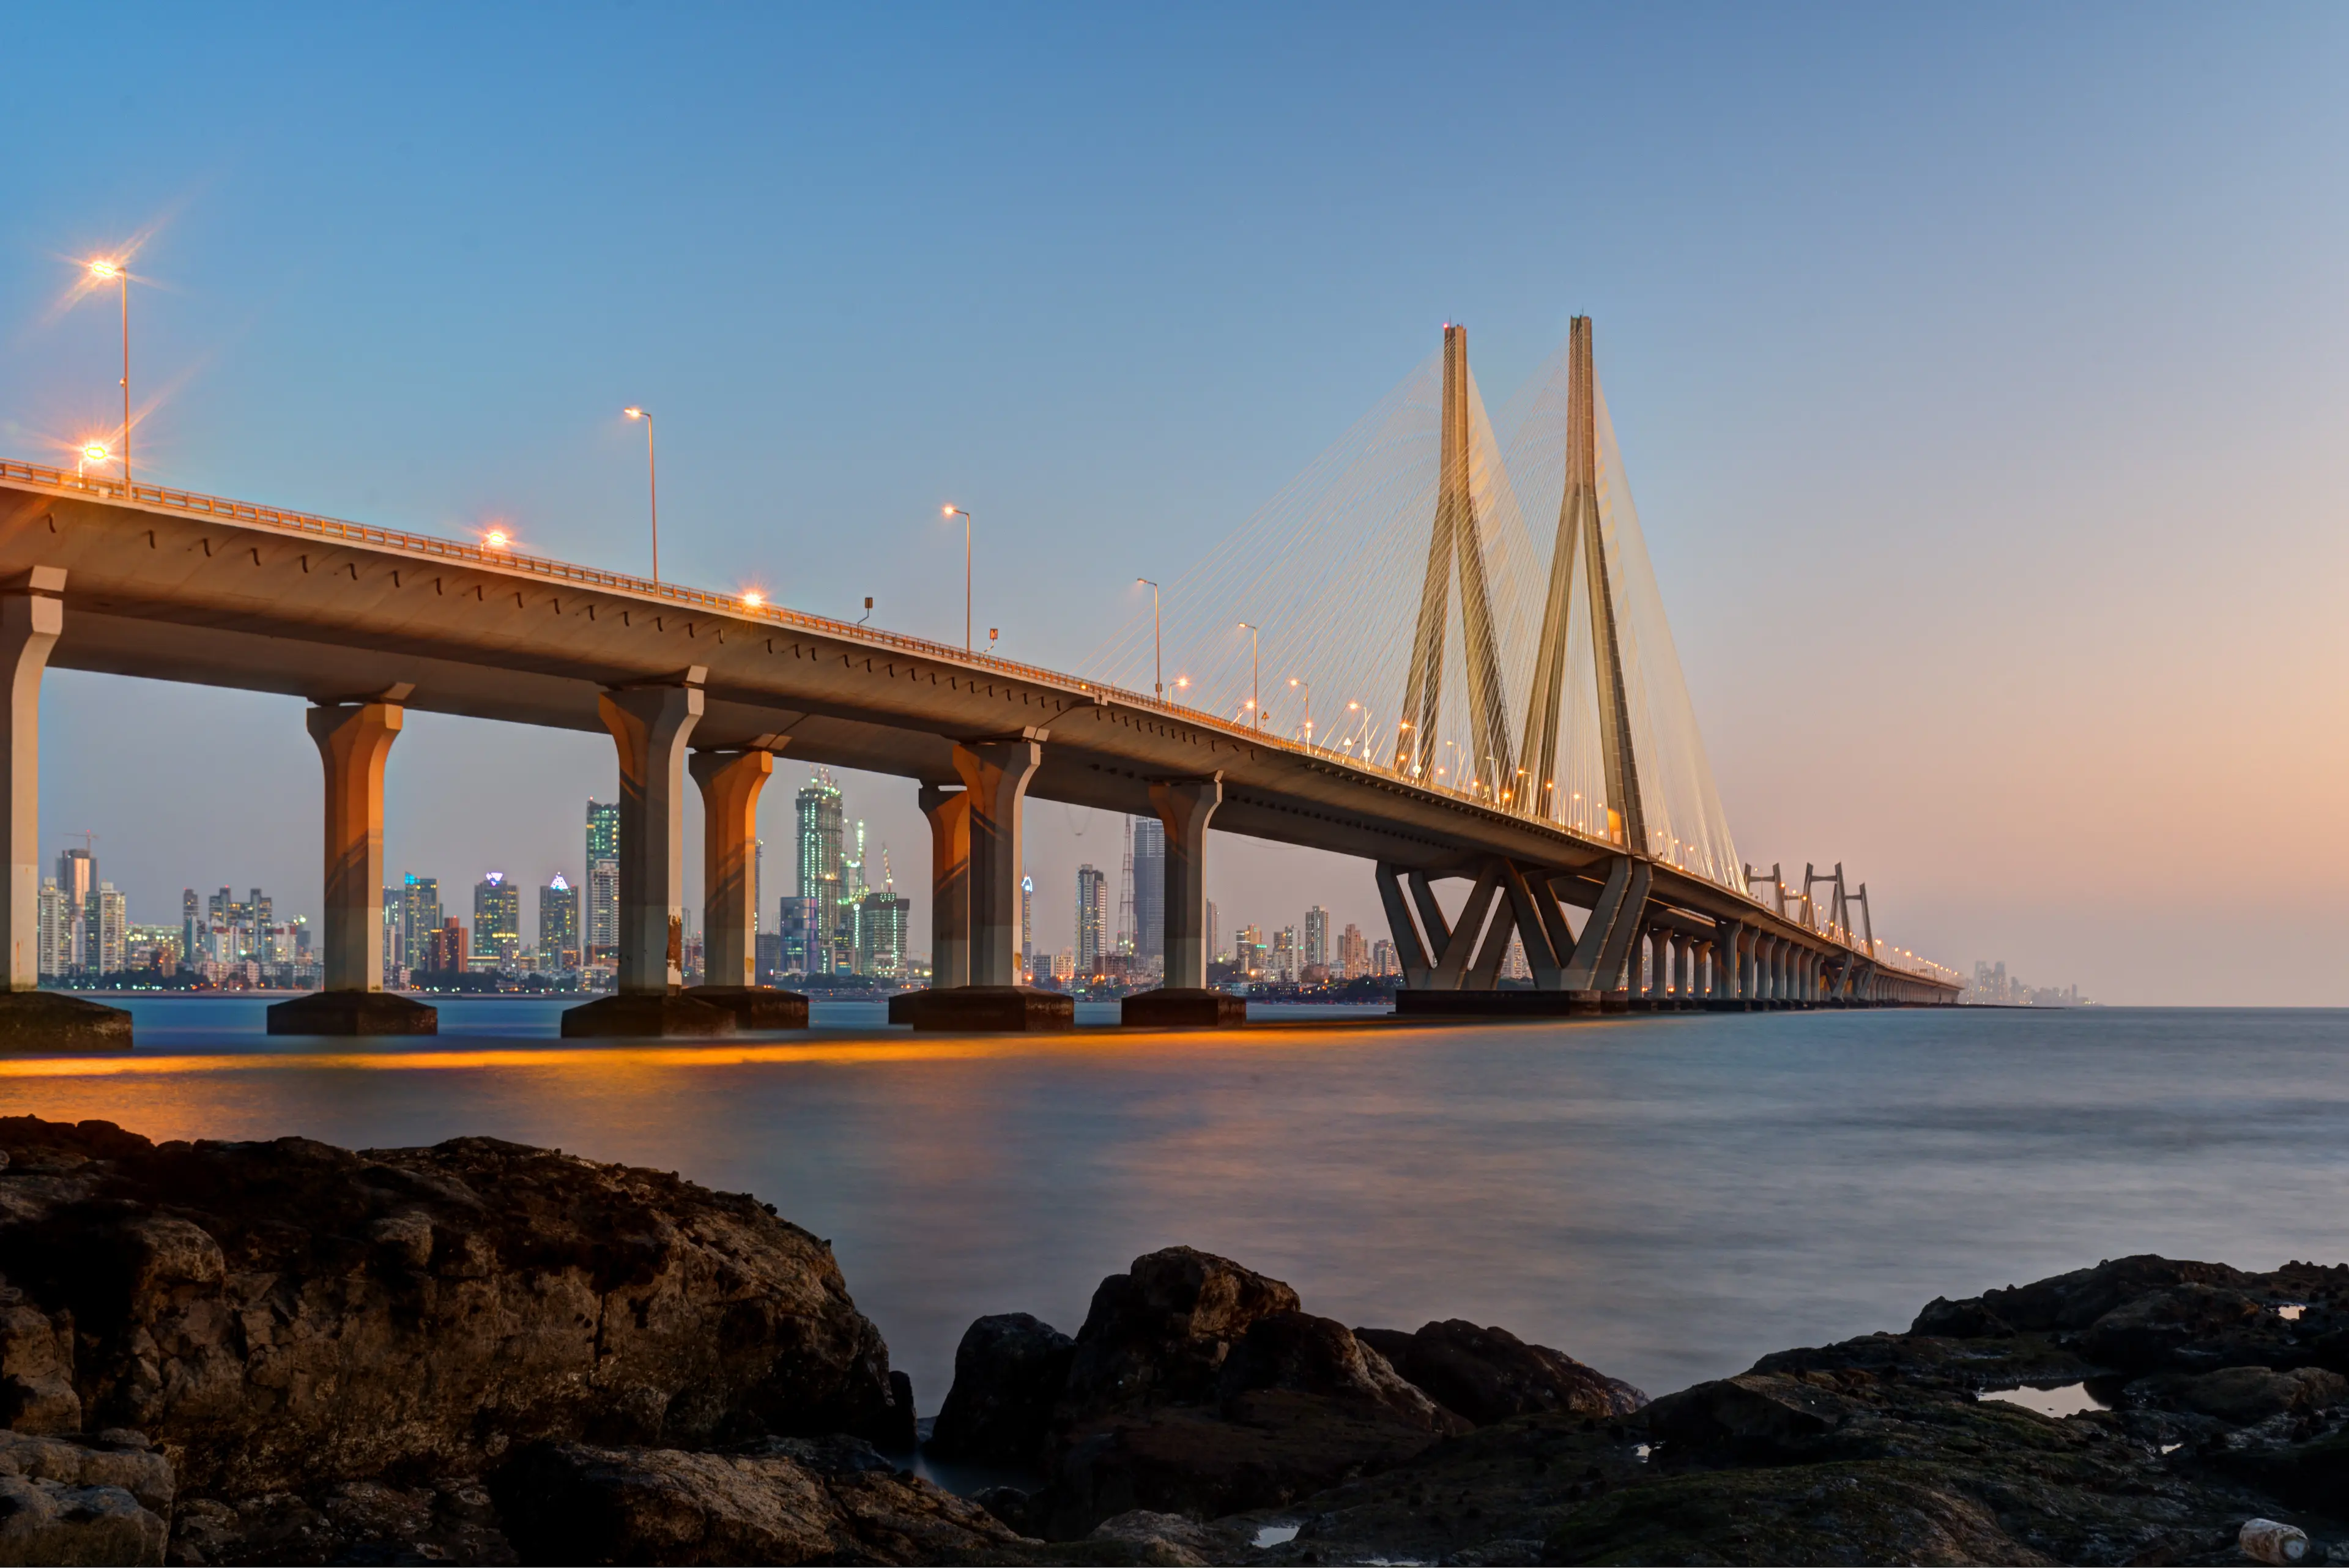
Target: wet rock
[[2065, 1302], [288, 1315], [1010, 1371], [72, 1501], [780, 1503], [2186, 1325], [1158, 1334], [1488, 1374]]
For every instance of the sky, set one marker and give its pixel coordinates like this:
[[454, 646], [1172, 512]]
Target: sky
[[1980, 372]]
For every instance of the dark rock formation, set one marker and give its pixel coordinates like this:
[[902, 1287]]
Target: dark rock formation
[[1487, 1375], [103, 1500], [1008, 1373], [784, 1500], [289, 1314]]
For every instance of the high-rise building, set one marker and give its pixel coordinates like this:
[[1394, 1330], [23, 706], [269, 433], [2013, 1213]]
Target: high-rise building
[[1284, 953], [818, 831], [1215, 934], [192, 911], [558, 925], [1248, 950], [497, 921], [53, 930], [1383, 959], [799, 927], [445, 952], [1027, 925], [77, 881], [881, 932], [1353, 952], [419, 917], [1092, 919], [1150, 889], [848, 929], [1317, 937], [603, 924], [395, 926], [110, 929]]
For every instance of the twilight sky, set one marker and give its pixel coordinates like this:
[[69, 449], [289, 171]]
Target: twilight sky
[[1981, 375]]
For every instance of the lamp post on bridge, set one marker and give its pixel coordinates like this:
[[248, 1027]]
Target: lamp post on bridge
[[1306, 687], [652, 477], [1158, 653], [118, 274], [1255, 669], [959, 512]]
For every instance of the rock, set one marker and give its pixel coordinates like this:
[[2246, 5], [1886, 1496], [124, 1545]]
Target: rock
[[288, 1316], [66, 1501], [778, 1502], [2072, 1300], [1010, 1371], [1197, 1386], [1488, 1374], [2243, 1396], [1174, 1539], [1756, 1418], [2185, 1324], [450, 1521]]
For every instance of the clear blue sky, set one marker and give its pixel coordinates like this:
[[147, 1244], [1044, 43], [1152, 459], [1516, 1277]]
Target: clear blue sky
[[1979, 371]]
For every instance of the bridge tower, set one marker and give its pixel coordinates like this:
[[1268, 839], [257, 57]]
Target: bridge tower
[[1579, 533], [1454, 540]]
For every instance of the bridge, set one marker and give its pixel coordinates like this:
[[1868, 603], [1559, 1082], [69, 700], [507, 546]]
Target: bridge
[[1623, 892]]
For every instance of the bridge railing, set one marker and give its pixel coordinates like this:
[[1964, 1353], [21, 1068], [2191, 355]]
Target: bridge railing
[[195, 503]]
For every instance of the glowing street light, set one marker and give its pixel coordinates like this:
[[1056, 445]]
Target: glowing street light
[[754, 598], [1308, 686], [115, 273], [959, 512], [94, 451], [1256, 686], [1157, 657], [496, 539], [652, 480]]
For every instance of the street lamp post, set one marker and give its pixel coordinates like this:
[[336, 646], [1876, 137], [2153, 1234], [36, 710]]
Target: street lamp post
[[1158, 652], [1306, 687], [1255, 667], [959, 512], [652, 477], [118, 273]]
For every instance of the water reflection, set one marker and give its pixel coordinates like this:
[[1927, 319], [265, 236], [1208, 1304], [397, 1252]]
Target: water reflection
[[1666, 1198]]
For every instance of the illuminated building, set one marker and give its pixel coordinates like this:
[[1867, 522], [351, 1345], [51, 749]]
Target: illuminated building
[[419, 917], [497, 922], [558, 925], [603, 927], [1092, 919], [1317, 937], [1150, 890], [818, 810]]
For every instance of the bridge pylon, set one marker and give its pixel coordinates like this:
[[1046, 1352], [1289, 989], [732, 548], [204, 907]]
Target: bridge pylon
[[1454, 543], [1580, 536]]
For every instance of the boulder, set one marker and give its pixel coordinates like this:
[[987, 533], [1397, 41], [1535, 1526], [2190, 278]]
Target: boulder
[[1752, 1418], [2243, 1396], [2064, 1302], [1009, 1370], [780, 1501], [451, 1519], [2183, 1326], [1198, 1386], [288, 1315], [68, 1500], [1487, 1375]]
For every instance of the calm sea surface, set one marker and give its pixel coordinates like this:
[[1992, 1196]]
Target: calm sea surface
[[1665, 1198]]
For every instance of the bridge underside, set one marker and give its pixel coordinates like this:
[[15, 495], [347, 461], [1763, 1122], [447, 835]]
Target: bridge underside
[[345, 623]]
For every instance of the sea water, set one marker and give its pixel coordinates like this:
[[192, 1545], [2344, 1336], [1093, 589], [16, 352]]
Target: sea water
[[1664, 1197]]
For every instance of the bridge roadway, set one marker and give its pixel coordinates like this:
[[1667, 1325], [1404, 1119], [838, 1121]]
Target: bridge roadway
[[167, 585]]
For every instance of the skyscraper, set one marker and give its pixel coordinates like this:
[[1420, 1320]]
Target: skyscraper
[[419, 917], [558, 925], [76, 880], [848, 932], [192, 911], [881, 929], [395, 925], [1027, 925], [796, 927], [53, 933], [603, 931], [1215, 934], [819, 822], [109, 929], [1317, 937], [1092, 919], [1149, 889], [497, 920]]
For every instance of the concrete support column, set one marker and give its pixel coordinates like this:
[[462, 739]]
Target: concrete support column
[[1685, 995], [730, 784], [1721, 960], [995, 774], [353, 742], [31, 614], [949, 813], [1660, 965], [650, 725], [1749, 968], [1184, 807]]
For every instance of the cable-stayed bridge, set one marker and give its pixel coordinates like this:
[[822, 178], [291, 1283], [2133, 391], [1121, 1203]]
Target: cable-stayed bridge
[[1489, 711]]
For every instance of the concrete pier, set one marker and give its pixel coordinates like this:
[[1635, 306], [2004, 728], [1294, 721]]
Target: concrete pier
[[1183, 999], [354, 741], [730, 781]]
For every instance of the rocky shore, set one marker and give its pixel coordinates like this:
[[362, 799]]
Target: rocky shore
[[483, 1353]]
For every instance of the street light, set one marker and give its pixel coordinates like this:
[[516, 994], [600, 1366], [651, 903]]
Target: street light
[[1256, 686], [1157, 656], [652, 477], [95, 452], [115, 273], [1308, 686], [959, 512]]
